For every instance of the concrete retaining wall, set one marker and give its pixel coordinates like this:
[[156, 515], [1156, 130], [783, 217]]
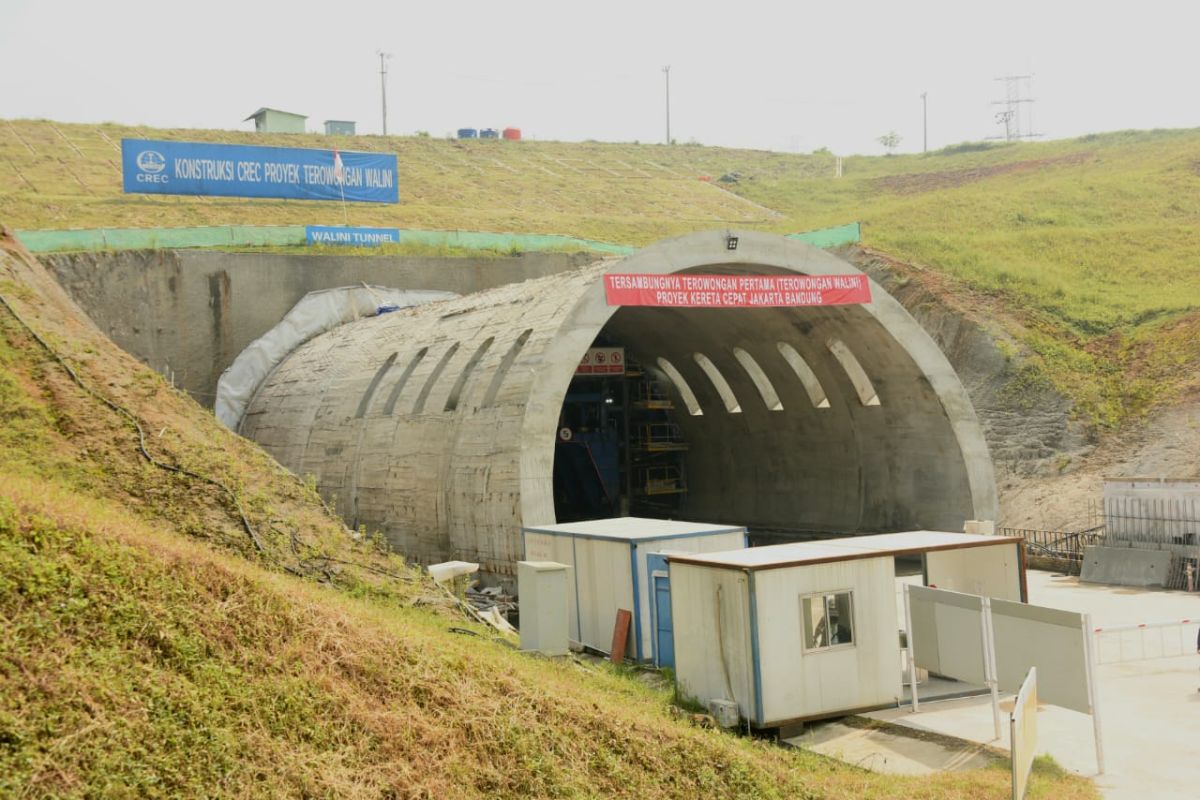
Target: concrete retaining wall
[[188, 314], [1126, 566]]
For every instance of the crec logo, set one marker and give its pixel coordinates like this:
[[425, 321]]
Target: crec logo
[[151, 161]]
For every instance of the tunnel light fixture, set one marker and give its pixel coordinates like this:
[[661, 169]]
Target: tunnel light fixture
[[761, 382], [681, 385], [816, 392], [719, 383], [854, 371]]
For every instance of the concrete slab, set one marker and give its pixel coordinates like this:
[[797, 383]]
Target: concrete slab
[[1126, 566], [891, 752], [1150, 709]]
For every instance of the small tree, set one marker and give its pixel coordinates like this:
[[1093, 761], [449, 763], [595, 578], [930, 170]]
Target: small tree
[[890, 140]]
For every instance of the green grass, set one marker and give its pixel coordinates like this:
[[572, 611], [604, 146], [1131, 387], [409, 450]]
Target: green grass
[[139, 664], [1086, 248]]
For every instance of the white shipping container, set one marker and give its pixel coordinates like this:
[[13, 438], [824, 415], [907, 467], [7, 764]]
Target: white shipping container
[[610, 570], [809, 630]]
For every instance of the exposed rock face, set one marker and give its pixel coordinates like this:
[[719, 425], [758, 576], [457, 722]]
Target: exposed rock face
[[1029, 426]]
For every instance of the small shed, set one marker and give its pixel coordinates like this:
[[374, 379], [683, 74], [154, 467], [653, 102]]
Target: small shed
[[794, 632], [619, 563], [272, 120], [339, 127]]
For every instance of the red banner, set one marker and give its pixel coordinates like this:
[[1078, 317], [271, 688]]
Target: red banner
[[735, 291]]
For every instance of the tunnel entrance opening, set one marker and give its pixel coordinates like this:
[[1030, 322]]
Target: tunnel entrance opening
[[619, 450], [797, 423]]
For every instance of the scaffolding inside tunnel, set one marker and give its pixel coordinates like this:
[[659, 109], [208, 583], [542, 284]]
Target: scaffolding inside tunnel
[[619, 451]]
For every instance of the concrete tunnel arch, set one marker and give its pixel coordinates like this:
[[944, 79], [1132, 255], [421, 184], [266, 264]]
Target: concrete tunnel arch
[[437, 425]]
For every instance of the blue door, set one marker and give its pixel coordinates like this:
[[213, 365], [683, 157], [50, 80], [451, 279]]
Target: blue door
[[664, 633]]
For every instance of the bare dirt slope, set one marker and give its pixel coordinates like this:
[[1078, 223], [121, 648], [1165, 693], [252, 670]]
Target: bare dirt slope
[[1164, 444]]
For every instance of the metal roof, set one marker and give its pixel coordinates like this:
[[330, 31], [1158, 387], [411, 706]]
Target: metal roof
[[630, 529], [777, 556], [277, 111]]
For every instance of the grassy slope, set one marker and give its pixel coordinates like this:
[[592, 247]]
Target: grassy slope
[[1087, 250], [149, 650]]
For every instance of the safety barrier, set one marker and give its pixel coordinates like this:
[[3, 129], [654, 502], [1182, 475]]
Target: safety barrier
[[1143, 641]]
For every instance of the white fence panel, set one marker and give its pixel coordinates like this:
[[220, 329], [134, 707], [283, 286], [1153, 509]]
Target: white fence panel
[[1142, 641]]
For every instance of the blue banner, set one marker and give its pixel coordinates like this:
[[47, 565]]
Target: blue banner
[[234, 170], [351, 237]]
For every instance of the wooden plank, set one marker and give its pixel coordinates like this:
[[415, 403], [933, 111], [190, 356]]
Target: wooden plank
[[620, 635]]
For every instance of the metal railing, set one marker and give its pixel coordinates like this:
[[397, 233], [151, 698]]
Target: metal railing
[[1146, 640], [1064, 545]]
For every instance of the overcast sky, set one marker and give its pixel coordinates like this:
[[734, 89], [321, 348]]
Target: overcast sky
[[790, 76]]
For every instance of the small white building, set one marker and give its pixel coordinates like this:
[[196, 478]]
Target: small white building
[[802, 631], [620, 563]]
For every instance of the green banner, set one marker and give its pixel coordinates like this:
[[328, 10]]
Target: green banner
[[94, 239], [161, 238], [831, 237]]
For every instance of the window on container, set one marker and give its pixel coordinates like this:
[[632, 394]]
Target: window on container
[[369, 394], [828, 620], [854, 371], [761, 381], [719, 383], [505, 364], [390, 406], [432, 380], [460, 384], [681, 385], [816, 392]]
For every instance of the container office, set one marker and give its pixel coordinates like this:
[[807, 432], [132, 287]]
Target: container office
[[619, 563], [801, 631]]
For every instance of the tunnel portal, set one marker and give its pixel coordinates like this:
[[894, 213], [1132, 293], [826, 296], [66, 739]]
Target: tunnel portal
[[450, 425]]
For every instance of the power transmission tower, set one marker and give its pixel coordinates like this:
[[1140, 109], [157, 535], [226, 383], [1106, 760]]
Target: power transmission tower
[[383, 59], [1017, 114]]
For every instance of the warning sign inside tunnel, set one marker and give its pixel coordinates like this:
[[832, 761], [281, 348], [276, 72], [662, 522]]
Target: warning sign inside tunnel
[[735, 291]]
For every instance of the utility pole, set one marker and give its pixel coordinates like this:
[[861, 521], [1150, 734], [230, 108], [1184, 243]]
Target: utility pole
[[383, 57], [667, 72], [924, 122]]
